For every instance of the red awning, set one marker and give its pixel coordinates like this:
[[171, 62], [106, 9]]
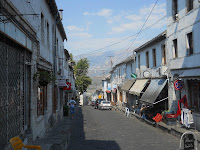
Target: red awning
[[107, 91]]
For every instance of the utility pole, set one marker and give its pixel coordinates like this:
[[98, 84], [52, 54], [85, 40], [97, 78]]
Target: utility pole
[[111, 63]]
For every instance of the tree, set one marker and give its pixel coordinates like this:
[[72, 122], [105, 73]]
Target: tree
[[81, 71]]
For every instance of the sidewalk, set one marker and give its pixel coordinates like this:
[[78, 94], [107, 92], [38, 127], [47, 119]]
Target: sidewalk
[[176, 130], [57, 137]]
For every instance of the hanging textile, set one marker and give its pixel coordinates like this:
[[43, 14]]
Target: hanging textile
[[186, 117], [184, 101]]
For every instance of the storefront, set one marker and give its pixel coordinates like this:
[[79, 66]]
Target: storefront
[[128, 98]]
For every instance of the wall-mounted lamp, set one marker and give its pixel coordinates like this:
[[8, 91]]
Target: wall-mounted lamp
[[61, 13], [134, 54]]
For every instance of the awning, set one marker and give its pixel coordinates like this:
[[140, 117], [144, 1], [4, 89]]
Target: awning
[[127, 85], [114, 90], [138, 86], [153, 90], [108, 91], [190, 73]]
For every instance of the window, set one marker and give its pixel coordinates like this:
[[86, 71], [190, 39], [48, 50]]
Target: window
[[131, 68], [163, 55], [175, 9], [154, 57], [189, 5], [41, 100], [57, 47], [194, 94], [47, 34], [139, 61], [189, 44], [42, 27], [175, 48], [147, 59]]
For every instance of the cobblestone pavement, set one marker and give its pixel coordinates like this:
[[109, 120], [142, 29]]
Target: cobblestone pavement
[[110, 130]]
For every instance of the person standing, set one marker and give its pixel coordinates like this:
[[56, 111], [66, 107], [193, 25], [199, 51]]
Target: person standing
[[72, 104]]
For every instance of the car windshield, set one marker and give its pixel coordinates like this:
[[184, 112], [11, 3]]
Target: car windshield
[[105, 102]]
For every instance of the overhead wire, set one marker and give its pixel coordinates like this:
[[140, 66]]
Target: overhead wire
[[136, 33], [91, 52], [140, 29]]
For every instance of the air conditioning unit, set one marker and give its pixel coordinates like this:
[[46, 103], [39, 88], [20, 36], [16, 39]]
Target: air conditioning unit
[[163, 70]]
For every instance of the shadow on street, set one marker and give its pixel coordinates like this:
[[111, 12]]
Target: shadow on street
[[78, 141]]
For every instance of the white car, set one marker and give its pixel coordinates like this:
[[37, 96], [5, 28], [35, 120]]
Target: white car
[[105, 105]]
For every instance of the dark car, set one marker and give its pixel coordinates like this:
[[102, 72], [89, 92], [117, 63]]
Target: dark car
[[92, 103], [97, 102]]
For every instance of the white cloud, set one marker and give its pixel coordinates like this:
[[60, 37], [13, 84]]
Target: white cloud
[[74, 28], [104, 12], [134, 22], [134, 17], [114, 19], [80, 35]]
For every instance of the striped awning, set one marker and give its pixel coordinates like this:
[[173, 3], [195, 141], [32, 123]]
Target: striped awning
[[138, 86], [128, 84], [153, 90]]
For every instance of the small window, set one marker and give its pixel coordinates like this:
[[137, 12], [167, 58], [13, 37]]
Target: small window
[[175, 48], [42, 27], [131, 68], [139, 61], [163, 55], [175, 9], [47, 34], [147, 59], [189, 43], [189, 5], [154, 57]]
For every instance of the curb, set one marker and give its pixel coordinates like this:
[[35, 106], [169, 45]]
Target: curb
[[168, 129], [56, 138]]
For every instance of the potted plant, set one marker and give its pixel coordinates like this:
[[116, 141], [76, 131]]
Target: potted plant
[[44, 77], [65, 110]]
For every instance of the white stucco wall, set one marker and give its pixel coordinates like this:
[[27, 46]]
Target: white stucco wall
[[153, 70], [41, 123]]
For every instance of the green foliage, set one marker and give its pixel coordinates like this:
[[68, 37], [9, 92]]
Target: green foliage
[[71, 58], [82, 80], [44, 76]]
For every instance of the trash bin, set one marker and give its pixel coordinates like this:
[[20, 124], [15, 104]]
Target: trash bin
[[170, 119]]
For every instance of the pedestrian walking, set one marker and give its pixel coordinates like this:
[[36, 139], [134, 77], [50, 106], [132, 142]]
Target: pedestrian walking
[[72, 104]]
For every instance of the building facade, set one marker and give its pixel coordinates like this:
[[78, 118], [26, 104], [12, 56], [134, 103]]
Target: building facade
[[32, 37], [183, 29]]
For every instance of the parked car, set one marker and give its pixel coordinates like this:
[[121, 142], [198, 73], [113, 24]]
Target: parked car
[[97, 102], [105, 105], [92, 103]]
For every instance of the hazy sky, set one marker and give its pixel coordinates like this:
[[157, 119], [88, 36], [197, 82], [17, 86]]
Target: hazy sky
[[94, 24]]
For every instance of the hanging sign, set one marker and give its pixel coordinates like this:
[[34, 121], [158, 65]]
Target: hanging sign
[[178, 84], [62, 82], [68, 87], [134, 75]]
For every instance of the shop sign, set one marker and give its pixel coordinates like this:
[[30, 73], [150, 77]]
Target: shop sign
[[178, 84], [67, 87], [109, 86], [114, 86], [62, 81], [189, 141], [134, 75]]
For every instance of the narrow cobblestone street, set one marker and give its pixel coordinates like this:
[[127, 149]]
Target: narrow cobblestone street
[[109, 130]]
